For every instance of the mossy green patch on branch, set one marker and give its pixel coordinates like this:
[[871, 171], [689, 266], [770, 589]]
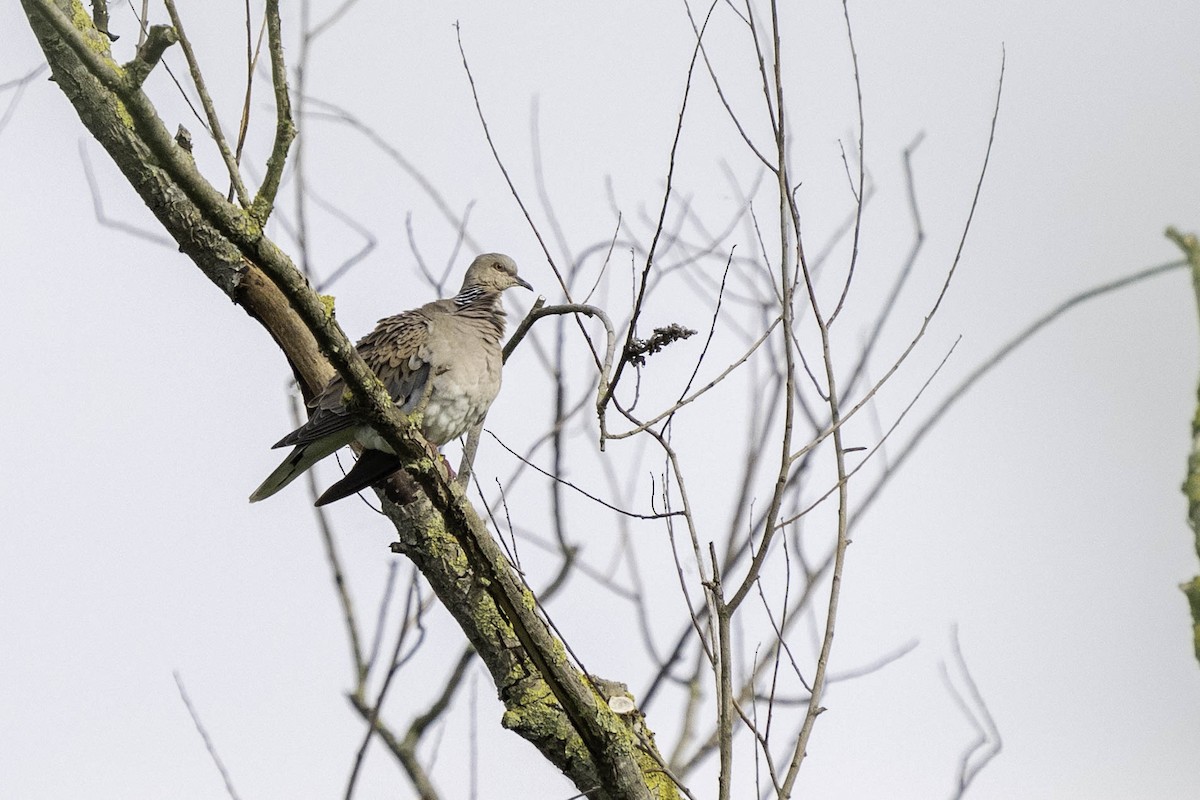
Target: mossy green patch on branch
[[1192, 590], [1190, 245], [123, 113]]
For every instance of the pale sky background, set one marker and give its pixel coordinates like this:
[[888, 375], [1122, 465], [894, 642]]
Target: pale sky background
[[1043, 516]]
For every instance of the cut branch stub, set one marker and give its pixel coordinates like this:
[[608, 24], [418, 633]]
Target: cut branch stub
[[149, 54]]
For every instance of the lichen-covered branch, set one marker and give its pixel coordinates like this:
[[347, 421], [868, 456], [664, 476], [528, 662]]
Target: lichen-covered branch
[[285, 129], [1191, 484]]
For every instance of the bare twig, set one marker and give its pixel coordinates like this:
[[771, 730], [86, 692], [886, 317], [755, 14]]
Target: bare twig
[[89, 175], [285, 128], [562, 281], [335, 568], [369, 241], [210, 111], [992, 361], [724, 678], [585, 493], [252, 51], [987, 743], [731, 367], [640, 295], [335, 113], [143, 30], [19, 86], [879, 444], [737, 123], [858, 189], [381, 616], [334, 18], [143, 18], [788, 220], [208, 743], [868, 348], [412, 601]]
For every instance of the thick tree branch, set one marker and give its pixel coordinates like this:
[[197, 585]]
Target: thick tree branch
[[549, 701]]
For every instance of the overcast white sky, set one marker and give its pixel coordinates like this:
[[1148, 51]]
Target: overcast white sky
[[1043, 516]]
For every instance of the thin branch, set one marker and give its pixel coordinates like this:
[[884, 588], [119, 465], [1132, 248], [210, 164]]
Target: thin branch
[[335, 113], [724, 678], [19, 85], [990, 363], [950, 273], [22, 82], [421, 723], [858, 191], [368, 246], [539, 181], [562, 281], [381, 615], [393, 670], [649, 747], [640, 296], [987, 743], [98, 205], [868, 348], [512, 188], [612, 243], [252, 51], [210, 111], [142, 19], [834, 403], [143, 29], [334, 17], [879, 444], [334, 559], [787, 217], [585, 493], [721, 95], [285, 128], [641, 426], [208, 743]]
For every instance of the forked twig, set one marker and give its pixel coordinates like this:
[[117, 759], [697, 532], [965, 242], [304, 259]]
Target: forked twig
[[988, 742]]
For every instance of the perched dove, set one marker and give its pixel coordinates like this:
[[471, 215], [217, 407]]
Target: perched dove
[[442, 359]]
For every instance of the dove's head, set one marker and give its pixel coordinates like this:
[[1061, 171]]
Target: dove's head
[[493, 272]]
